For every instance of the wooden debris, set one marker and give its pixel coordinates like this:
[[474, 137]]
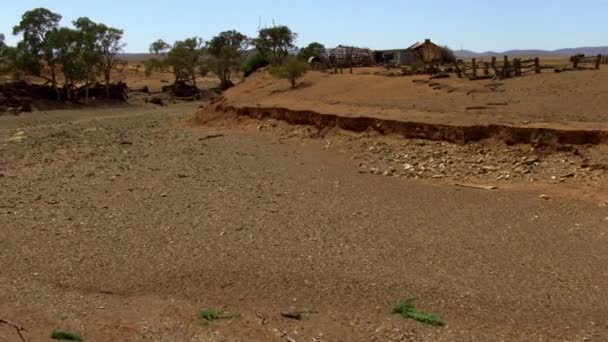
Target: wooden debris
[[477, 186], [210, 136]]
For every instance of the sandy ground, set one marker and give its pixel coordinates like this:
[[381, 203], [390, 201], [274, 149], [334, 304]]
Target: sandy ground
[[569, 99], [122, 223]]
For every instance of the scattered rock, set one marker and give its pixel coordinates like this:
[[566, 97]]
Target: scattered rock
[[545, 197], [292, 315], [157, 101], [531, 160]]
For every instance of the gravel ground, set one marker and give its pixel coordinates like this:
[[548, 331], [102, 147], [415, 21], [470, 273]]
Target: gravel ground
[[122, 223]]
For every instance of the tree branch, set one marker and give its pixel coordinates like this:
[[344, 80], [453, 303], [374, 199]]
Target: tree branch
[[19, 329]]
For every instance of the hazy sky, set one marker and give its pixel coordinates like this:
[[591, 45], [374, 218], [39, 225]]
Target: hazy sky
[[378, 24]]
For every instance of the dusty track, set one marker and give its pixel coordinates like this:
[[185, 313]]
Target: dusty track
[[122, 224]]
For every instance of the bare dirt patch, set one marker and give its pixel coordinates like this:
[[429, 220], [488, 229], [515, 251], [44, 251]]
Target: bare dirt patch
[[123, 225]]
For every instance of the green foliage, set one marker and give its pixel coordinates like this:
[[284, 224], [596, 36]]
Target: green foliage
[[79, 53], [210, 315], [65, 335], [35, 25], [36, 48], [253, 63], [447, 55], [2, 45], [110, 45], [292, 69], [185, 59], [3, 52], [68, 47], [312, 50], [407, 309], [159, 47], [90, 34], [225, 54], [273, 43]]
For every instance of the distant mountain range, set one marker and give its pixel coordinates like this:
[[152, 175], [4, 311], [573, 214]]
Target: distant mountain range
[[589, 51], [135, 57]]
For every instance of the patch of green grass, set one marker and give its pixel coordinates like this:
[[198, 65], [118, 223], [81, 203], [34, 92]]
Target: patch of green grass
[[212, 315], [65, 335], [407, 309]]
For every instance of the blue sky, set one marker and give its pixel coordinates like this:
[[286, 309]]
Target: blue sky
[[474, 25]]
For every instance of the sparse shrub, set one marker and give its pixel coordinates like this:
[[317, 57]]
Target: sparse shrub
[[253, 63], [153, 64], [447, 55], [292, 69]]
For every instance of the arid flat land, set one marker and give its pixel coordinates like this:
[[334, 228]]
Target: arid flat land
[[122, 223]]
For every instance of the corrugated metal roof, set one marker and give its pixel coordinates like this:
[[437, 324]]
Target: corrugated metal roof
[[416, 45]]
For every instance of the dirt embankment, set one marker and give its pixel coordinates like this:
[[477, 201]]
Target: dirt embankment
[[422, 130], [572, 99]]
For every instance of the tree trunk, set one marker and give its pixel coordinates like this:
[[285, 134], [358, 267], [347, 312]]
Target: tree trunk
[[107, 79], [293, 83], [54, 82], [86, 86], [66, 87]]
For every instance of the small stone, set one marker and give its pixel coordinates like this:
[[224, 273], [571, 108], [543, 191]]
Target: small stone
[[545, 197], [531, 160]]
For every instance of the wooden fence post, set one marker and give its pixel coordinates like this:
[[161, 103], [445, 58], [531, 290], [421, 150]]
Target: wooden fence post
[[598, 62], [575, 62], [505, 68], [493, 62], [474, 68], [517, 66], [537, 65]]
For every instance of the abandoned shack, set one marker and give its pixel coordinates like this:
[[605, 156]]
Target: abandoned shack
[[345, 56], [395, 57], [424, 51], [427, 51]]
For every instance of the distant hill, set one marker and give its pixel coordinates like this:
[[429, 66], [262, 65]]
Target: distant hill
[[589, 51], [135, 57]]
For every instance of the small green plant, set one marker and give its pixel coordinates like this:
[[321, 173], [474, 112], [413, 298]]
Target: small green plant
[[407, 309], [65, 335], [212, 315], [292, 69]]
